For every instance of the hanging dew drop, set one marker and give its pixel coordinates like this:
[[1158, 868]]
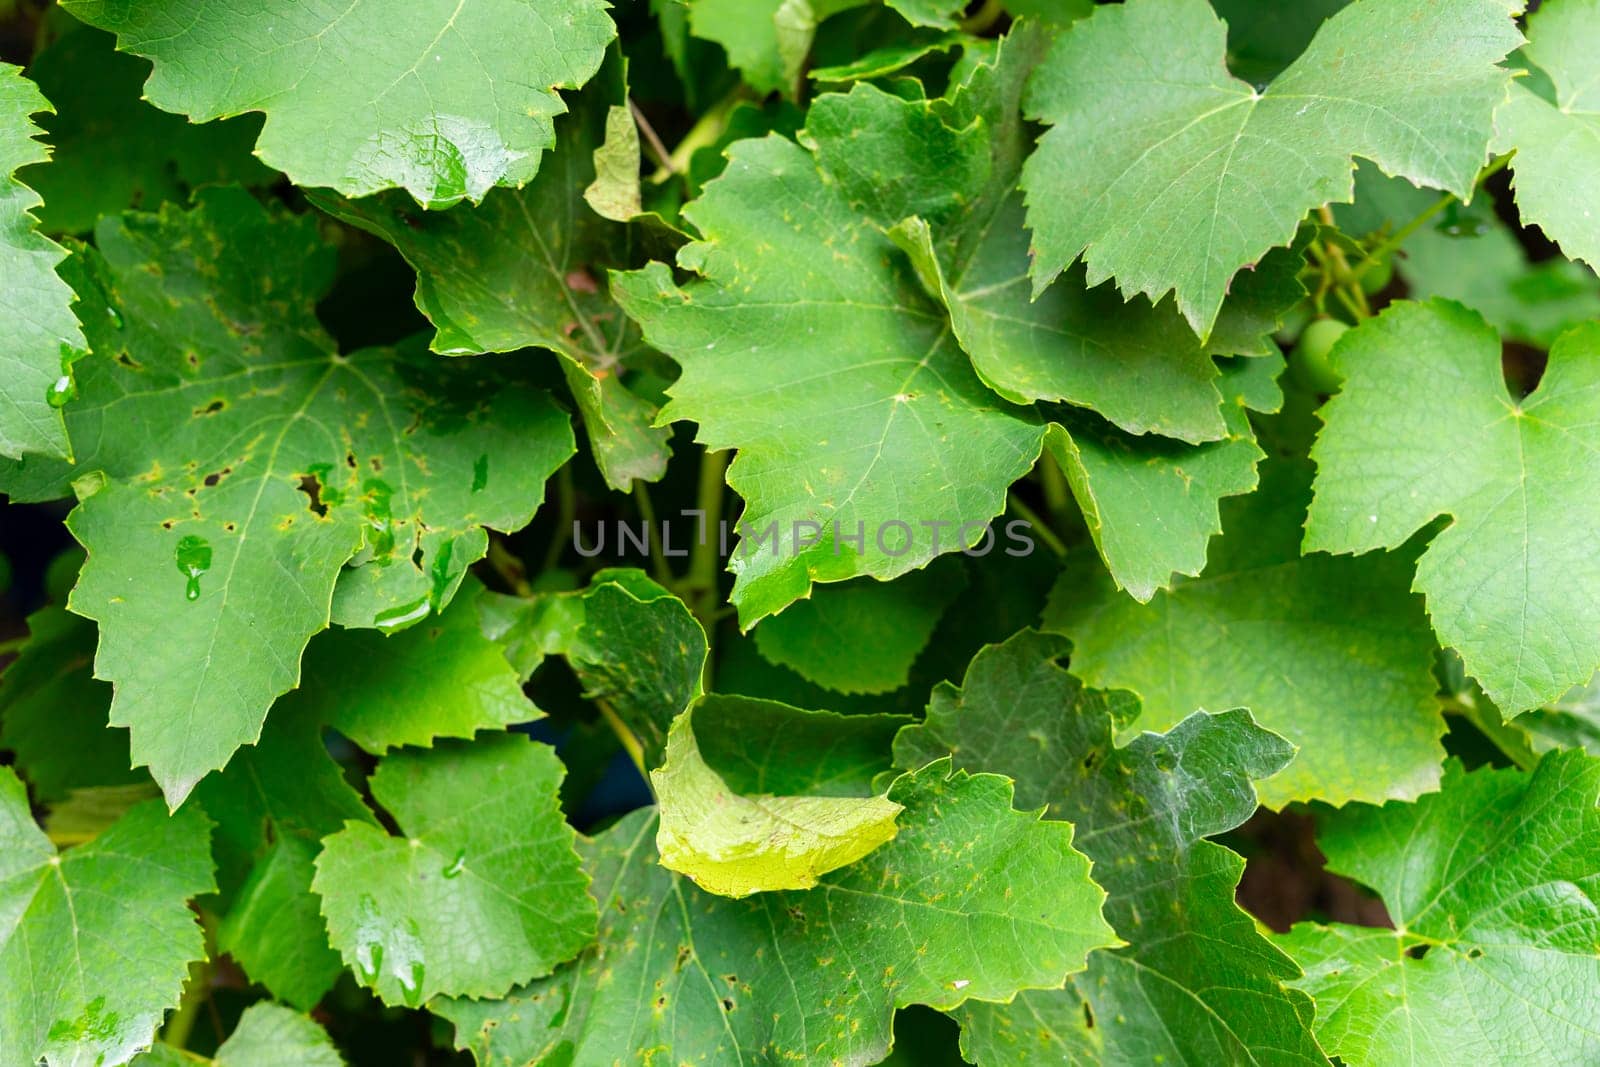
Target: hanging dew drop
[[60, 391], [411, 985], [194, 559]]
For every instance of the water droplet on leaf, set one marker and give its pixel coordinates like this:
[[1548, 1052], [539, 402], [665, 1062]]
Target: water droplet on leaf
[[457, 865], [194, 559]]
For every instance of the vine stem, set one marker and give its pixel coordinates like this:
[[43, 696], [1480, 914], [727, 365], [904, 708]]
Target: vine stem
[[1398, 238], [629, 740], [652, 534], [1056, 491], [1349, 292], [14, 644], [653, 140], [702, 134], [701, 582], [1040, 527], [566, 511], [983, 18]]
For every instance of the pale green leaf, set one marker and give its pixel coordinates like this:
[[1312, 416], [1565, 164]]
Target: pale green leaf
[[1512, 583], [971, 900], [448, 102], [733, 843], [484, 891], [1333, 654], [95, 942], [1493, 958], [1557, 141], [209, 532], [1168, 174], [41, 335], [768, 40], [1196, 984]]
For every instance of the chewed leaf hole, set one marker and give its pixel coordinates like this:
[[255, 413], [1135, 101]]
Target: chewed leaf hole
[[312, 488], [1416, 952]]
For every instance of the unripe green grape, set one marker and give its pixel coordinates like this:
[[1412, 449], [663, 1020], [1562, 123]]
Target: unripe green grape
[[1376, 278], [1310, 360]]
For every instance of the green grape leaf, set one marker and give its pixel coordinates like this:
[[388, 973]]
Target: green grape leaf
[[1180, 174], [1492, 959], [484, 891], [733, 843], [446, 103], [440, 678], [113, 151], [958, 216], [1511, 583], [971, 900], [861, 636], [267, 1035], [275, 931], [1333, 654], [635, 647], [1152, 504], [42, 337], [1557, 140], [528, 268], [278, 461], [1196, 983], [95, 942], [271, 805], [835, 383], [53, 711]]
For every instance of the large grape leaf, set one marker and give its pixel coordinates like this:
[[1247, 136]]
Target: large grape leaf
[[971, 900], [1493, 957], [821, 352], [1168, 174], [112, 150], [240, 461], [1333, 654], [448, 102], [267, 1035], [963, 228], [484, 891], [95, 942], [807, 344], [41, 335], [1196, 983], [1513, 583], [53, 711], [1557, 140], [769, 835], [528, 268]]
